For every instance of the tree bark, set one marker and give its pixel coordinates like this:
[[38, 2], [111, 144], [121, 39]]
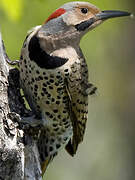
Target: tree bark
[[19, 158]]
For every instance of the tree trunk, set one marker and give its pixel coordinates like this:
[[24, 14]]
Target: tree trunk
[[19, 157]]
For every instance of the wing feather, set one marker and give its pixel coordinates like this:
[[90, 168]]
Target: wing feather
[[76, 88]]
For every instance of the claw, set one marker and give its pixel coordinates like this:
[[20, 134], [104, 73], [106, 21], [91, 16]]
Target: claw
[[31, 121], [91, 89]]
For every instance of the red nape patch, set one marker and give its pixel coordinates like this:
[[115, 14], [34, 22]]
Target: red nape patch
[[56, 14]]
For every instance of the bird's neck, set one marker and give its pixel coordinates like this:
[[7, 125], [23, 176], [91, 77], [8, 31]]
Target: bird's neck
[[56, 37]]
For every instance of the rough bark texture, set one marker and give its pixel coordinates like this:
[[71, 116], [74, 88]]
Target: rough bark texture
[[18, 150]]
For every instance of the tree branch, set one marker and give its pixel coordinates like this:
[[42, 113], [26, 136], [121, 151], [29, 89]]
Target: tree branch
[[19, 157]]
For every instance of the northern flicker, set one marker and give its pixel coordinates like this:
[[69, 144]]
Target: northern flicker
[[54, 76]]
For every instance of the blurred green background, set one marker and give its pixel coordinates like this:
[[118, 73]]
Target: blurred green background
[[108, 150]]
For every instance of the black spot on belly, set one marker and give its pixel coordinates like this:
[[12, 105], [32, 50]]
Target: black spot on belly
[[35, 94], [50, 148], [51, 81], [57, 146], [40, 78], [36, 86], [37, 72], [66, 70], [64, 120], [52, 140], [58, 97], [53, 100], [54, 125], [49, 95], [41, 58], [57, 102], [58, 77], [42, 94], [56, 83], [65, 138], [67, 74], [50, 87], [44, 90], [56, 129], [47, 102], [55, 110], [44, 85], [46, 78], [59, 116], [47, 113], [51, 76]]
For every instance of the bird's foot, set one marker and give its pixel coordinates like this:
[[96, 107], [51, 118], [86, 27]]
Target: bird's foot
[[26, 122], [91, 89], [32, 121]]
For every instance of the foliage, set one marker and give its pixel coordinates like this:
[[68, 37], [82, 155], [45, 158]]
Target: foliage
[[13, 9]]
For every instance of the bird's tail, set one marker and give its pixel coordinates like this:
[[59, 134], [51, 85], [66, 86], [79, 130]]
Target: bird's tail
[[44, 166]]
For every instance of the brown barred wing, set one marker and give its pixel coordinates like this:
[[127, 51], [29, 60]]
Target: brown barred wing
[[78, 110]]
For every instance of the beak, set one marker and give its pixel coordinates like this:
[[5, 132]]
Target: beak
[[103, 15]]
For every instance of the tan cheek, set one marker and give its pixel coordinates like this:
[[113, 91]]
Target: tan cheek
[[94, 10], [71, 19], [76, 17], [90, 15]]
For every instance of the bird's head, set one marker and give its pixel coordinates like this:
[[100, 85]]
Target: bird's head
[[77, 18]]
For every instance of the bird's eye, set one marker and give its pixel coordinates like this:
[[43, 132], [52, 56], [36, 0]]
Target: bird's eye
[[84, 10]]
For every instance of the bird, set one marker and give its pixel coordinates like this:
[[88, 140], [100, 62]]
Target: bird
[[54, 76]]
